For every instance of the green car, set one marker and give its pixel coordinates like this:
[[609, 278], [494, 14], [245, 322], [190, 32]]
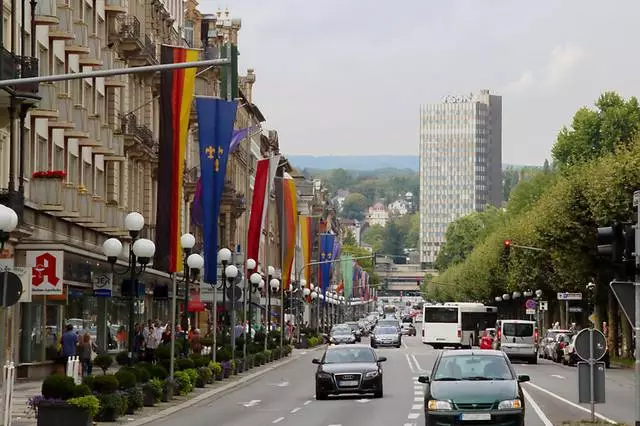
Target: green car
[[473, 386]]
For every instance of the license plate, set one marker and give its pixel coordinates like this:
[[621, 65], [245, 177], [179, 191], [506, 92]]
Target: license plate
[[474, 417], [349, 383]]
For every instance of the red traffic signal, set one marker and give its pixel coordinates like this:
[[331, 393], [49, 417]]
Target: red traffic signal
[[507, 243]]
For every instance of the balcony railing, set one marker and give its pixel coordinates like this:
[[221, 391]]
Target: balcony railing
[[47, 192], [149, 49], [114, 216], [46, 12], [15, 66], [117, 143], [118, 6], [64, 29], [95, 124], [95, 56], [131, 127], [106, 137], [129, 28], [99, 209], [85, 203], [70, 198], [48, 105], [65, 104]]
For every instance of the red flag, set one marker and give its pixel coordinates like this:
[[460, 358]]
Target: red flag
[[265, 172]]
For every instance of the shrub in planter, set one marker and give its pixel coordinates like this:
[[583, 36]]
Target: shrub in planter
[[105, 384], [126, 379], [56, 386], [158, 372], [88, 403], [89, 381], [223, 354], [152, 392], [185, 364], [81, 390], [226, 369], [200, 361], [50, 412], [104, 362], [135, 399], [183, 382], [239, 363], [259, 358], [193, 375], [122, 358], [216, 370], [287, 349], [204, 376], [276, 353], [142, 373], [268, 355], [112, 406]]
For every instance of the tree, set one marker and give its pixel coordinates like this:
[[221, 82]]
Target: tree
[[374, 236], [366, 263], [340, 179], [350, 239], [354, 206], [409, 226], [594, 133], [393, 243]]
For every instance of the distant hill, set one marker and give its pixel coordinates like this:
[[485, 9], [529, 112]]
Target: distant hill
[[355, 162]]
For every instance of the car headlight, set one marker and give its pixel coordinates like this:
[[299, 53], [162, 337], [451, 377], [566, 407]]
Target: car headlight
[[371, 374], [435, 405], [332, 340], [324, 375], [510, 404]]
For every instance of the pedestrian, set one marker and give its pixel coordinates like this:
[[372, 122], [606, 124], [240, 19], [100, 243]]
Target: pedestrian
[[69, 343], [85, 354]]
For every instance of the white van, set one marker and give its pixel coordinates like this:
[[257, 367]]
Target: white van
[[518, 339]]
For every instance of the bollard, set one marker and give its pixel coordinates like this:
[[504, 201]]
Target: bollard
[[73, 369], [8, 380]]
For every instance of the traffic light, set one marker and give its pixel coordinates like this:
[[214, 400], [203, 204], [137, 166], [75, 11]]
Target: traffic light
[[506, 252], [629, 235], [611, 242]]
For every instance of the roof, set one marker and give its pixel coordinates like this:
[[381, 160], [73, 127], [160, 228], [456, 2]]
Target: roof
[[253, 109], [357, 345], [479, 352]]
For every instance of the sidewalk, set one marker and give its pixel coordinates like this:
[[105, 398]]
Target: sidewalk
[[27, 389]]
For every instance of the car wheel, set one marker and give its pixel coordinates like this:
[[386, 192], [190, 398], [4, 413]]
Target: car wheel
[[533, 360], [398, 345], [319, 394]]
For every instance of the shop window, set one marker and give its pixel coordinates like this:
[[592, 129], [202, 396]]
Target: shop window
[[40, 335]]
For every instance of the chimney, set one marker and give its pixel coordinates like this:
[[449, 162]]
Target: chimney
[[248, 84]]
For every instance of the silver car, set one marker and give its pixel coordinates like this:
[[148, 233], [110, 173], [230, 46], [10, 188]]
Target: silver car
[[386, 336], [342, 335]]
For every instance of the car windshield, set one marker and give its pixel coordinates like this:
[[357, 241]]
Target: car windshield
[[341, 331], [348, 355], [472, 367], [388, 324], [386, 330], [353, 325]]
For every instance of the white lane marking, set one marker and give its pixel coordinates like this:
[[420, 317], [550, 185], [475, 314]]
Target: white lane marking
[[573, 404], [557, 376], [278, 420], [307, 402], [282, 384], [415, 379], [418, 392], [409, 362], [295, 410], [251, 403], [417, 387], [413, 416], [364, 400], [416, 407], [417, 399], [404, 345], [409, 424], [415, 360], [545, 420]]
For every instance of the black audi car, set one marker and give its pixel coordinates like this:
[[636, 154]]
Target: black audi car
[[475, 387], [353, 369]]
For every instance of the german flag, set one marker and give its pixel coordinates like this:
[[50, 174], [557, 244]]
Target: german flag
[[176, 98]]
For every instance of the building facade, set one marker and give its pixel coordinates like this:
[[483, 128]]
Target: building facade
[[377, 215], [77, 156], [460, 163]]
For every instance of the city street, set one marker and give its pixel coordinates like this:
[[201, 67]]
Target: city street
[[285, 396]]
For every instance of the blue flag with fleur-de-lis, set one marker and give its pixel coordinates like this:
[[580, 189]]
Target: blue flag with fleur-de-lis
[[215, 129], [326, 256]]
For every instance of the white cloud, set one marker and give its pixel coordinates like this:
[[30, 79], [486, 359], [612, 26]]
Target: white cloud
[[563, 61]]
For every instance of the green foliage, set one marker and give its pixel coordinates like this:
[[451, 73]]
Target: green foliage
[[185, 364], [126, 379], [111, 406], [393, 244], [374, 236], [103, 362], [156, 387], [349, 239], [122, 358], [593, 133], [88, 402], [57, 386], [354, 206], [216, 368], [183, 382], [107, 383], [135, 398]]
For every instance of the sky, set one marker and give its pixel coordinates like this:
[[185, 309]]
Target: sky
[[347, 77]]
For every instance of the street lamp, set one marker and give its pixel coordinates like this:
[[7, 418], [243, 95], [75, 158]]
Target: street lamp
[[267, 317], [257, 283], [224, 256], [231, 272], [141, 251], [187, 241], [8, 222]]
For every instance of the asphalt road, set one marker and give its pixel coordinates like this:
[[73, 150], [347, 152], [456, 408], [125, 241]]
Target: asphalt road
[[285, 396]]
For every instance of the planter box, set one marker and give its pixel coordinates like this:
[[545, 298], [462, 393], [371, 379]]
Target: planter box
[[226, 372], [167, 394], [147, 399], [219, 376], [52, 415]]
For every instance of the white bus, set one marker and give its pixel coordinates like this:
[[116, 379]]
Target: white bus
[[456, 324]]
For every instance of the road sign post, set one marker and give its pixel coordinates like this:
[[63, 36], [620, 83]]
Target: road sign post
[[591, 346], [636, 322]]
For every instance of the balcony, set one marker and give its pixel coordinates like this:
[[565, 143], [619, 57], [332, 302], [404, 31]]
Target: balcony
[[94, 58], [85, 206], [79, 45], [80, 116], [48, 105], [46, 13], [95, 122], [129, 35], [114, 218], [64, 29], [65, 107], [70, 201], [147, 55], [115, 6], [99, 214], [47, 193], [15, 66], [135, 133], [116, 80]]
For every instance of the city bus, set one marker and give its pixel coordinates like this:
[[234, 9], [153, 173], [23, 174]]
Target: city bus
[[456, 324]]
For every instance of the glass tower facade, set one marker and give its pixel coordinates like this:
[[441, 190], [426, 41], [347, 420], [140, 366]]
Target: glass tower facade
[[460, 163]]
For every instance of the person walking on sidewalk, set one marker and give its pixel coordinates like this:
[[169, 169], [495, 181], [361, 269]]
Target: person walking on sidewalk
[[85, 354]]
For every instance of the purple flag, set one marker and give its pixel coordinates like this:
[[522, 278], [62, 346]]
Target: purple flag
[[239, 136]]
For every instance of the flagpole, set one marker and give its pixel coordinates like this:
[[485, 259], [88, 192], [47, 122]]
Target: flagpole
[[267, 312], [247, 284], [283, 243]]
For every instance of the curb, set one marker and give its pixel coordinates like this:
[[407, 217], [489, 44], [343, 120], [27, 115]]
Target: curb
[[220, 391]]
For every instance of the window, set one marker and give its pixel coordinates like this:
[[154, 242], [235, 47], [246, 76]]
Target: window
[[188, 33], [516, 329], [73, 169], [42, 154], [58, 158], [99, 183], [441, 315], [87, 175], [43, 60]]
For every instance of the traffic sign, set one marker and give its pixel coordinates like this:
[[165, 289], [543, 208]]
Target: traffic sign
[[13, 290], [569, 296], [530, 304], [530, 312], [584, 340], [625, 293], [544, 305], [585, 378]]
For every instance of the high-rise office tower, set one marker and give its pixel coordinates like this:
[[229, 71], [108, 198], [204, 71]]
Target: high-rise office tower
[[460, 163]]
